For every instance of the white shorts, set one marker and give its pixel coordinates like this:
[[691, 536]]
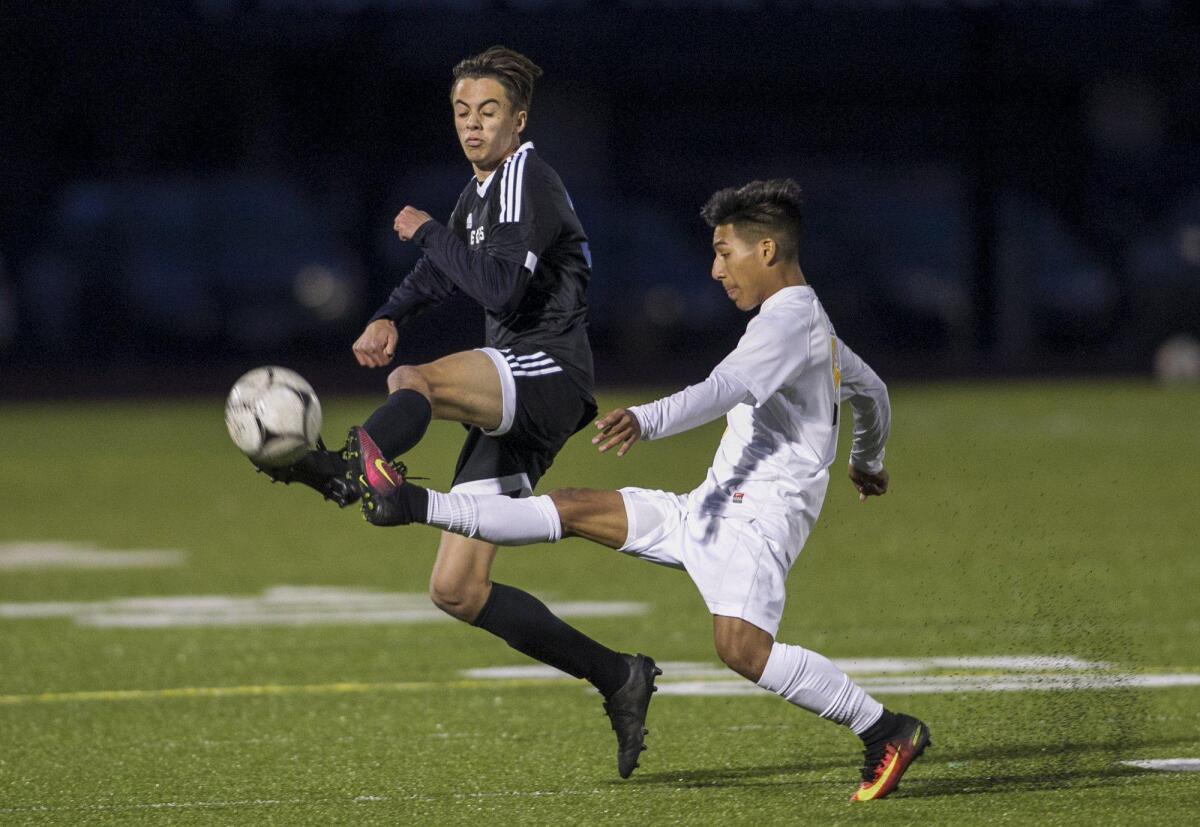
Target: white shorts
[[739, 571]]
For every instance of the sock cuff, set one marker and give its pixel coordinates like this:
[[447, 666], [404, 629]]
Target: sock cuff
[[549, 511], [410, 396], [482, 617], [778, 670]]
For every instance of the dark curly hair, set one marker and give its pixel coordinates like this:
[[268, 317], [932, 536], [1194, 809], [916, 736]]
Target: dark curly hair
[[761, 209], [515, 72]]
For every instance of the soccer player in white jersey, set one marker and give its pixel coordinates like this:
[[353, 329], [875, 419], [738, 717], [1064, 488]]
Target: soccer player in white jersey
[[738, 533]]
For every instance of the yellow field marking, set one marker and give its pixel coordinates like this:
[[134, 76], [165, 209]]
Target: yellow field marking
[[271, 689]]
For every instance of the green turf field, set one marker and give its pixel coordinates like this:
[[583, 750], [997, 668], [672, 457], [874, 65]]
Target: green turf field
[[314, 685]]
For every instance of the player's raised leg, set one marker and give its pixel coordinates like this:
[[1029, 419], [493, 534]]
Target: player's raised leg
[[811, 681], [462, 387]]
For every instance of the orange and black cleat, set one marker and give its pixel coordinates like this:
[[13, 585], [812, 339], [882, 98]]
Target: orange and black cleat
[[888, 758]]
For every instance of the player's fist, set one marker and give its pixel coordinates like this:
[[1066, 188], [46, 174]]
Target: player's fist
[[409, 221], [618, 428], [869, 485], [377, 344]]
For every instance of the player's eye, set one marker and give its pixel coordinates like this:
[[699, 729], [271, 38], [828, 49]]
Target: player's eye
[[488, 113]]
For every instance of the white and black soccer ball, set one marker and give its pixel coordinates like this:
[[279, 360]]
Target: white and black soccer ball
[[273, 415]]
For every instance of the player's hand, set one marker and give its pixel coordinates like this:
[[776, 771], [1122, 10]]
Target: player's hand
[[409, 221], [617, 428], [377, 344], [869, 485]]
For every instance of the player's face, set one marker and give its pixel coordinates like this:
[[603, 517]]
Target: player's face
[[488, 128], [740, 265]]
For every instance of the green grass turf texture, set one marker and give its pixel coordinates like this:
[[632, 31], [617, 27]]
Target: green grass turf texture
[[1049, 518]]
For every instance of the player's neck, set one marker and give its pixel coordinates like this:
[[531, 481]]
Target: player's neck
[[482, 173], [791, 276]]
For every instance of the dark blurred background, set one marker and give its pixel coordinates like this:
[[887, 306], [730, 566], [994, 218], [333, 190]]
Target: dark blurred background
[[191, 188]]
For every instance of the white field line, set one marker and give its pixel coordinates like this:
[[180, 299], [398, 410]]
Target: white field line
[[852, 666], [277, 606], [1167, 764], [34, 556], [944, 685]]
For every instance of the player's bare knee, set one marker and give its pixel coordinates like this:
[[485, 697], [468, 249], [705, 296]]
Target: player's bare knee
[[456, 598], [408, 377], [741, 656]]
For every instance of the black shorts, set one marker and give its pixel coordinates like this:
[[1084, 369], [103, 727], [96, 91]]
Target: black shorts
[[542, 408]]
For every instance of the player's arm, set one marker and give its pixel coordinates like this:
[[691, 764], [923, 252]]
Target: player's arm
[[424, 287], [498, 274], [872, 410], [690, 408], [766, 357], [497, 284]]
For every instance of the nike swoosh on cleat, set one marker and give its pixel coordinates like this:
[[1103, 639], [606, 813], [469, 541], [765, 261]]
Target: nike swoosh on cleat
[[869, 792], [382, 467]]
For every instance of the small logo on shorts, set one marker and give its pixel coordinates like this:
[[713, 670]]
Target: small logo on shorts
[[737, 496]]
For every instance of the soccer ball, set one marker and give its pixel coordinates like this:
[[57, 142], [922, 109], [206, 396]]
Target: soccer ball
[[273, 415]]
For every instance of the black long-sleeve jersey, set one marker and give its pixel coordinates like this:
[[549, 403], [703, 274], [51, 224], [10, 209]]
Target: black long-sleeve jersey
[[515, 245]]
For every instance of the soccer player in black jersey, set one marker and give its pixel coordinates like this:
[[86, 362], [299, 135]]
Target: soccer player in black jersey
[[515, 245]]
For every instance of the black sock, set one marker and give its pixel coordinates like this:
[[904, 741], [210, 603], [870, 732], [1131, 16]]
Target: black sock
[[882, 728], [415, 501], [400, 422], [525, 624]]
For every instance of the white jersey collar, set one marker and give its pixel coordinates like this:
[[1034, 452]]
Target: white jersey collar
[[782, 295], [481, 187]]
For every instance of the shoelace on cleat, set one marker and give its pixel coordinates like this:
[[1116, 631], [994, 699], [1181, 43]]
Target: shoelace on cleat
[[874, 758]]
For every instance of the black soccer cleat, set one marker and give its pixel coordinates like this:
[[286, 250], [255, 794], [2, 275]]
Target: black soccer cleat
[[322, 470], [387, 497], [886, 760], [626, 709]]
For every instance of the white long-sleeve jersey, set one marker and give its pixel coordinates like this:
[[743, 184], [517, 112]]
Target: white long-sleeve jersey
[[782, 389]]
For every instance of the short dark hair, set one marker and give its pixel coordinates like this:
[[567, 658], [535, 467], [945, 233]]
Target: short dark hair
[[764, 208], [515, 72]]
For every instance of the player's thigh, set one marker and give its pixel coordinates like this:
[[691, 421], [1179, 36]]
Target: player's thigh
[[461, 577], [655, 526], [739, 571], [465, 387], [594, 515]]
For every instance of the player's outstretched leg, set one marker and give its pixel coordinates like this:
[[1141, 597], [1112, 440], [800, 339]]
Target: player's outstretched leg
[[322, 470], [891, 744]]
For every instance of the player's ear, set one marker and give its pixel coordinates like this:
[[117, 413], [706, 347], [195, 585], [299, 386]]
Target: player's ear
[[768, 251], [520, 119]]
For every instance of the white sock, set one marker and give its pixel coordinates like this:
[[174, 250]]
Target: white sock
[[496, 518], [811, 681]]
